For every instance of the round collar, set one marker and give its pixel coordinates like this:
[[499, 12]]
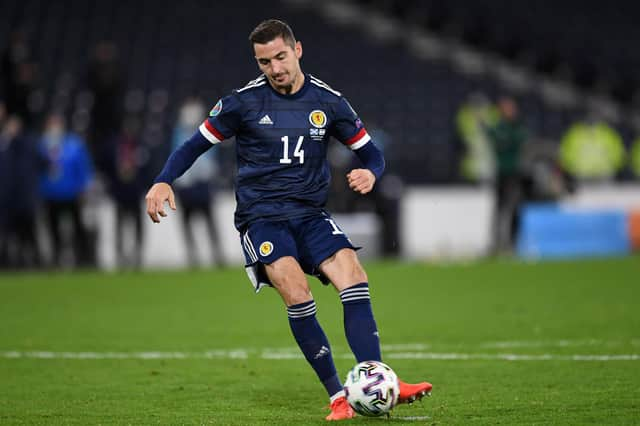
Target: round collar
[[296, 95]]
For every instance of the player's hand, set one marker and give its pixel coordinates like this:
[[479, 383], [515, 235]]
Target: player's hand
[[361, 180], [156, 197]]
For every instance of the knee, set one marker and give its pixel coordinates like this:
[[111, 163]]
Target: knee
[[345, 269], [358, 275], [289, 280], [354, 270], [294, 295]]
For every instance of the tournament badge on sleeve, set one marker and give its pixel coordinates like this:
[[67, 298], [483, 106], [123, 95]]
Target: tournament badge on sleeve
[[216, 109]]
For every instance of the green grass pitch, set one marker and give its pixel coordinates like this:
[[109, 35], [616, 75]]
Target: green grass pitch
[[503, 342]]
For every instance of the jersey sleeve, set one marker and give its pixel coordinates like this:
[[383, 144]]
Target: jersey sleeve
[[223, 121], [347, 126]]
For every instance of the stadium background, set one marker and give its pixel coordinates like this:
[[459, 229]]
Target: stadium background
[[410, 68], [504, 340]]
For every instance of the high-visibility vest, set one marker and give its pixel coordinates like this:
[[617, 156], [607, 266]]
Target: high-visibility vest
[[592, 151], [634, 158], [471, 121]]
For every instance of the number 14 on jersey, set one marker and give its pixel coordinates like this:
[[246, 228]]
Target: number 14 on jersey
[[297, 152]]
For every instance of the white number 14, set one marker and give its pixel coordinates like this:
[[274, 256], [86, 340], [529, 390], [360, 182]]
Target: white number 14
[[297, 152]]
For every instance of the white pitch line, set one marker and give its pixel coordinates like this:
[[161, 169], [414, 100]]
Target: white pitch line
[[514, 357], [287, 355], [409, 418], [406, 347], [547, 344], [217, 354]]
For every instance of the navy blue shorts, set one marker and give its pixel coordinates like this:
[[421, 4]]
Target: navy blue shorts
[[310, 240]]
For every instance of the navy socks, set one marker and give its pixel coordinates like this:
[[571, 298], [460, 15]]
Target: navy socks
[[314, 345], [359, 325]]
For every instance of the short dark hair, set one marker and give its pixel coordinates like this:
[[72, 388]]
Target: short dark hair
[[271, 29]]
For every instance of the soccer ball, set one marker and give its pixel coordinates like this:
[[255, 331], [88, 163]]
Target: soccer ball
[[372, 388]]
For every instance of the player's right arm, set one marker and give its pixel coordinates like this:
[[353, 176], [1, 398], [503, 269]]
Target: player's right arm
[[178, 163], [159, 193], [222, 123]]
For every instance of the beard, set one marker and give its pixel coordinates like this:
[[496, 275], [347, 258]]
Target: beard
[[285, 87]]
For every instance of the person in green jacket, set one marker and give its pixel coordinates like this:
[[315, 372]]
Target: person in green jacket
[[507, 136]]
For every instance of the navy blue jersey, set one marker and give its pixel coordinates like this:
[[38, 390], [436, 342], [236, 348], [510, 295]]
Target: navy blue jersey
[[281, 146]]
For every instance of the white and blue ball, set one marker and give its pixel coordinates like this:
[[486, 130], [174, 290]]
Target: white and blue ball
[[372, 388]]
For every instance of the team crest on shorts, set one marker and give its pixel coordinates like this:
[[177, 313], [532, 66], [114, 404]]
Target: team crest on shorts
[[216, 109], [318, 119], [266, 248]]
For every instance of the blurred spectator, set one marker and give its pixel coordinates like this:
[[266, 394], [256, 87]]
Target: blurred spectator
[[543, 178], [5, 186], [127, 179], [19, 168], [67, 177], [18, 70], [473, 116], [341, 198], [194, 189], [592, 150], [385, 197], [106, 83], [386, 194], [507, 137]]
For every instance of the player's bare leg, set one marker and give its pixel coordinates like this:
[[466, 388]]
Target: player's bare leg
[[289, 280], [287, 277], [344, 269], [349, 278]]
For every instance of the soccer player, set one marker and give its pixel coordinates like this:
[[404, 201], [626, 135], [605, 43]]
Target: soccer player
[[282, 122]]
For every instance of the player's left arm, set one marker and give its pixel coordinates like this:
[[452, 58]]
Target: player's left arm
[[362, 180], [349, 129]]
